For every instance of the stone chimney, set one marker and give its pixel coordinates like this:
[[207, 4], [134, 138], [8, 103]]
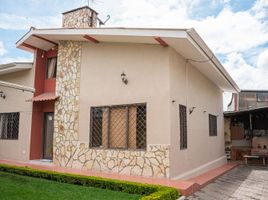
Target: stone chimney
[[83, 17]]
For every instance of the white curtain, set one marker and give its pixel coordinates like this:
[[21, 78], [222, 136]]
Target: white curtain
[[51, 67]]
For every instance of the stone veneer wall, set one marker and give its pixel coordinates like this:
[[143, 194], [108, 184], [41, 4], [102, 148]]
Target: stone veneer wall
[[80, 18], [70, 152]]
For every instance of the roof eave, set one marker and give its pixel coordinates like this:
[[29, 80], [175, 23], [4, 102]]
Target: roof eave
[[212, 57], [189, 34]]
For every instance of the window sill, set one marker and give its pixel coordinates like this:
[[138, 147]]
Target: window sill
[[114, 149], [8, 139]]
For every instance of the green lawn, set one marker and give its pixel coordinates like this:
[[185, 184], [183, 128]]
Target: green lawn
[[16, 187]]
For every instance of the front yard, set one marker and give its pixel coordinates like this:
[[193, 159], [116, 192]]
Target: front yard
[[28, 183], [13, 186]]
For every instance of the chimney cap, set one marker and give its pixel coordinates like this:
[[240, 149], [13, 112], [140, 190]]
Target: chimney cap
[[80, 8]]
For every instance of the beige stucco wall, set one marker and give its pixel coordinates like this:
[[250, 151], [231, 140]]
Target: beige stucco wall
[[191, 88], [90, 74], [147, 71], [146, 68], [16, 102]]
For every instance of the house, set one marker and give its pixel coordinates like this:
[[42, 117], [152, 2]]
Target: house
[[246, 127], [134, 101], [15, 112], [248, 99]]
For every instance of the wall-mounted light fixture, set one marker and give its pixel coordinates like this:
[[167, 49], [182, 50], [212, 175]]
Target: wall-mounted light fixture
[[43, 54], [2, 94], [124, 78], [191, 110]]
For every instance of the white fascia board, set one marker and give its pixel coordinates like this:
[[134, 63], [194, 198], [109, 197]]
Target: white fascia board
[[23, 38], [197, 41], [171, 33], [14, 67], [16, 86], [116, 32]]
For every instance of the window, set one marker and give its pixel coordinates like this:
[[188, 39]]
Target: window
[[262, 97], [183, 127], [118, 127], [9, 125], [212, 125], [51, 67]]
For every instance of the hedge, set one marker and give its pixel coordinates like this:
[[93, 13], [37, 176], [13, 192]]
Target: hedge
[[148, 191]]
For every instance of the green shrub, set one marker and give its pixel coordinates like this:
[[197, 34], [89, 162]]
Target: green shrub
[[148, 191]]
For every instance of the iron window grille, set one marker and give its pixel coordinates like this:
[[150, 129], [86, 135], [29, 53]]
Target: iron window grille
[[118, 127], [9, 125], [212, 125], [183, 126]]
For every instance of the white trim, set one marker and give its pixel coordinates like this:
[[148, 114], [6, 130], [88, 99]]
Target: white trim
[[14, 67], [194, 37], [16, 86], [172, 33], [137, 35], [202, 169]]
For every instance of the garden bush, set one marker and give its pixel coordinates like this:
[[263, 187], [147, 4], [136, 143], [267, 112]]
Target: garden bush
[[148, 191]]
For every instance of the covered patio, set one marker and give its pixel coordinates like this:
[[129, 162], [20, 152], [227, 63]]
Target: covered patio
[[246, 134]]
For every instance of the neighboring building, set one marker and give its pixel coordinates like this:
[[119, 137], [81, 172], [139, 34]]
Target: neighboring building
[[246, 121], [133, 101], [248, 99], [15, 112]]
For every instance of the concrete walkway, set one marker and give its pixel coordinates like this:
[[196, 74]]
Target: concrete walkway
[[242, 183]]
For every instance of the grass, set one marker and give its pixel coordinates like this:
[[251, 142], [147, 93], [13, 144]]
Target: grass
[[16, 187]]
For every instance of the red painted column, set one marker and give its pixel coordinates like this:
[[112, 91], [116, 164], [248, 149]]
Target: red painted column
[[41, 85]]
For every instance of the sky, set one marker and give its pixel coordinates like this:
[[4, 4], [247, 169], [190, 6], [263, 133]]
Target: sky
[[235, 30]]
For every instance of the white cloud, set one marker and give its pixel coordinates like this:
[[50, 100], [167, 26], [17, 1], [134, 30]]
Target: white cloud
[[2, 49], [233, 31], [226, 32], [229, 33], [262, 61], [246, 75], [16, 22]]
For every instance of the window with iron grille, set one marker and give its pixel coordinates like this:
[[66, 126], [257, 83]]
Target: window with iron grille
[[9, 125], [212, 125], [183, 127], [118, 127]]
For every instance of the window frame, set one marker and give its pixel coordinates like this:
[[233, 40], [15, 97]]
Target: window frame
[[47, 63], [213, 125], [109, 107], [18, 126], [260, 95], [183, 127]]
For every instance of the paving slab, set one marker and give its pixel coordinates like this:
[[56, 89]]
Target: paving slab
[[241, 183]]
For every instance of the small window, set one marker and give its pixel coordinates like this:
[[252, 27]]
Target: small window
[[212, 125], [183, 127], [9, 125], [118, 127], [262, 97], [51, 67]]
